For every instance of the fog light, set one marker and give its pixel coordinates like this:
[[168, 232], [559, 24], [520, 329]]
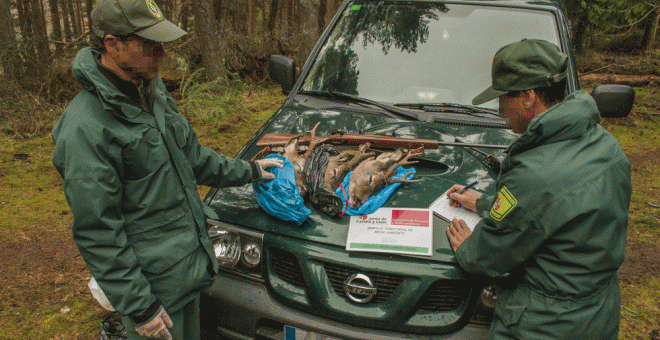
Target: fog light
[[251, 255], [489, 296], [226, 244]]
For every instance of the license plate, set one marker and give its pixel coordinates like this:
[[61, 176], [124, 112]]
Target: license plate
[[293, 333]]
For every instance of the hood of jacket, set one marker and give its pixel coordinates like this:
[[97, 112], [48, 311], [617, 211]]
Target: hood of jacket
[[85, 70], [567, 120]]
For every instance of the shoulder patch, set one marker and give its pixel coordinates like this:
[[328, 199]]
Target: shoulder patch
[[503, 205]]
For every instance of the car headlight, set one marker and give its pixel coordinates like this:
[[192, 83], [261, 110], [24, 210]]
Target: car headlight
[[251, 255], [226, 244], [238, 250]]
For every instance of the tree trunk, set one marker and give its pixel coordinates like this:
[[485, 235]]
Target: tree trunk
[[72, 18], [252, 21], [66, 25], [295, 23], [207, 37], [286, 18], [183, 16], [23, 18], [651, 30], [581, 33], [55, 24], [41, 37], [8, 58], [240, 17], [332, 8], [272, 18], [323, 10], [89, 4]]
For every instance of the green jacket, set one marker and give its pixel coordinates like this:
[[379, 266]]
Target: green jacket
[[557, 225], [131, 178]]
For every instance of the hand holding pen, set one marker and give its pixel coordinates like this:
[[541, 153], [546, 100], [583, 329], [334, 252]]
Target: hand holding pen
[[462, 196]]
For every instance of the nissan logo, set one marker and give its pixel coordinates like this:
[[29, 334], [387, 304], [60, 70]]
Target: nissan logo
[[359, 288]]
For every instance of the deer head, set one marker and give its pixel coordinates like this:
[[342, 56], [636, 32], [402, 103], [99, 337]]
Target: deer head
[[375, 173], [341, 164]]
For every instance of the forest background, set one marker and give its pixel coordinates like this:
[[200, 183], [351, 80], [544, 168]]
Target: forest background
[[218, 75]]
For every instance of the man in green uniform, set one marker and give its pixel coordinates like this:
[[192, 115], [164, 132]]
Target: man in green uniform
[[131, 164], [558, 222]]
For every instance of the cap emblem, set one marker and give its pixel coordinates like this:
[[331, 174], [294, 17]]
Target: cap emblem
[[153, 8]]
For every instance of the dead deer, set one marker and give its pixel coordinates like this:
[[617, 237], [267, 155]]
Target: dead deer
[[298, 160], [341, 164], [375, 173]]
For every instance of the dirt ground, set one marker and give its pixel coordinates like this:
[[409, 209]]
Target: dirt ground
[[643, 258], [43, 269]]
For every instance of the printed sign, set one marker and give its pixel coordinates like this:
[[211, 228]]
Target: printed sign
[[389, 230]]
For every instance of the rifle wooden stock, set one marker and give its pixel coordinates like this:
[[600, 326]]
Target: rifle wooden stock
[[350, 139]]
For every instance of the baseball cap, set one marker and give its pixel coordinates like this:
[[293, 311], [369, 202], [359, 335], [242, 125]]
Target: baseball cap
[[524, 65], [139, 17]]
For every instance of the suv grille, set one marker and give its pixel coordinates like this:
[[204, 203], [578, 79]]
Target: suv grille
[[385, 283], [286, 267], [444, 296]]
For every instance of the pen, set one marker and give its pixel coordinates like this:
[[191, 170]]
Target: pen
[[465, 188]]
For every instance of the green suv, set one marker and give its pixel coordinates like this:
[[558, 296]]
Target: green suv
[[399, 68]]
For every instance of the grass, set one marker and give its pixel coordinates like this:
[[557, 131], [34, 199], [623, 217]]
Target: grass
[[639, 137]]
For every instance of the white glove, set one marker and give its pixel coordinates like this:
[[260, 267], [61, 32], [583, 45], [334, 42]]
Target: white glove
[[157, 328], [266, 163]]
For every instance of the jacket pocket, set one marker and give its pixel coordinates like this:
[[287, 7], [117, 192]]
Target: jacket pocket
[[180, 133], [145, 157], [511, 315], [160, 248]]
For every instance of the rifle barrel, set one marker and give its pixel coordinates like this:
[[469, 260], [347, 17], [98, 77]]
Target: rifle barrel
[[281, 139]]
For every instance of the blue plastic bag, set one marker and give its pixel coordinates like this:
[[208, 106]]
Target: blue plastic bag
[[280, 197], [376, 201]]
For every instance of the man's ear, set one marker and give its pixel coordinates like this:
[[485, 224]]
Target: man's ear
[[110, 42], [529, 98], [533, 102]]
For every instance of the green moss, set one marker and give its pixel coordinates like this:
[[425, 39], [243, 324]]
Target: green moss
[[642, 311], [76, 316]]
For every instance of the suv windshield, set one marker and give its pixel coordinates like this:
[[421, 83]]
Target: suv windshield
[[420, 53]]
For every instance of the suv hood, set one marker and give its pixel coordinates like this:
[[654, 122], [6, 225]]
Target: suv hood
[[438, 170]]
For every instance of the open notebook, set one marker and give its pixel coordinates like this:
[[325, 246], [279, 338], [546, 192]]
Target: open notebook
[[442, 209]]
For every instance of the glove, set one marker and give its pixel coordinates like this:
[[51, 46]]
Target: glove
[[157, 327], [266, 163]]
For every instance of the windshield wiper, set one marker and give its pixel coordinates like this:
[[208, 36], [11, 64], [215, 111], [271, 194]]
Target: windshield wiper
[[390, 110], [451, 108]]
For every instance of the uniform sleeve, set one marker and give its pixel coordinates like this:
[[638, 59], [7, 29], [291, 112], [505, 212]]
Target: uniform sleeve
[[209, 167], [508, 234], [91, 170]]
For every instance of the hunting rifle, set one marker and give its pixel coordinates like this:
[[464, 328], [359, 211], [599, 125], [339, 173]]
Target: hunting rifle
[[377, 141]]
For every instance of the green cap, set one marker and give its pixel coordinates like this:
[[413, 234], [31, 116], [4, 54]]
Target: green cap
[[524, 65], [139, 17]]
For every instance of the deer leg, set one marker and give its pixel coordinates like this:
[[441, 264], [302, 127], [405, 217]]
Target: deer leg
[[261, 153], [402, 179], [404, 161]]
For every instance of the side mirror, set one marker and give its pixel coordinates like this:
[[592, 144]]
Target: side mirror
[[614, 101], [282, 70]]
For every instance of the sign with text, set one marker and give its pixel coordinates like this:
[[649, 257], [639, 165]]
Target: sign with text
[[392, 230]]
